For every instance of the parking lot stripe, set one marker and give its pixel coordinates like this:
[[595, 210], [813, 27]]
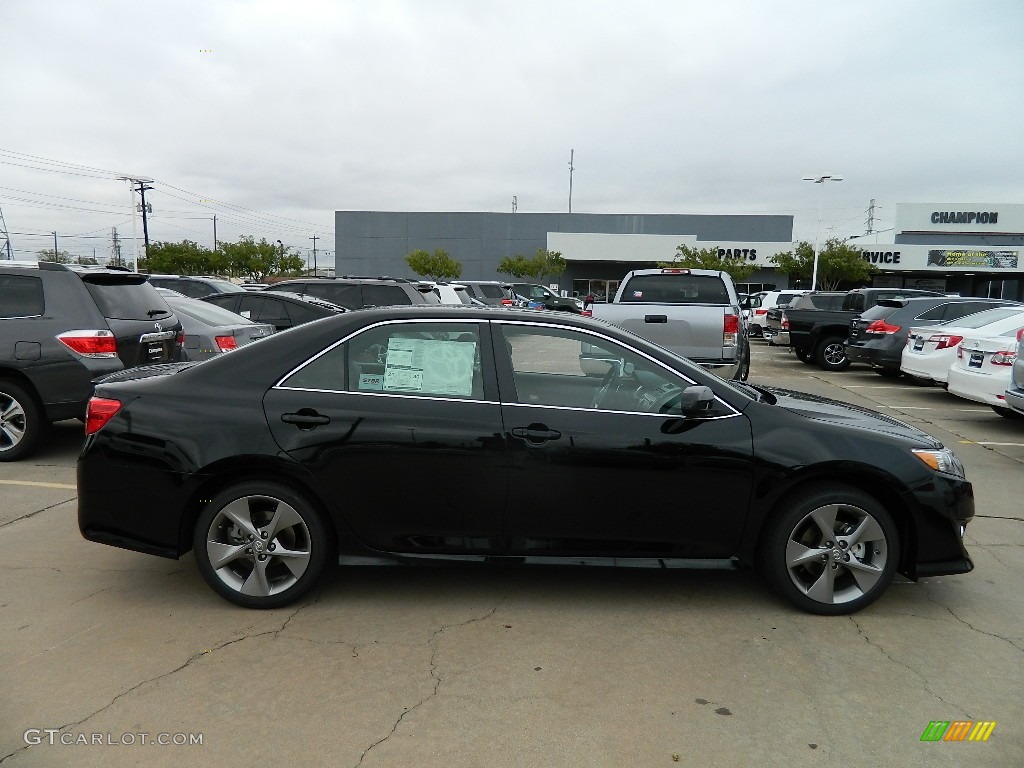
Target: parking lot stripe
[[36, 484], [987, 442], [909, 407]]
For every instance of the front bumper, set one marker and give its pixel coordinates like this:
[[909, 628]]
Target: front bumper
[[944, 508]]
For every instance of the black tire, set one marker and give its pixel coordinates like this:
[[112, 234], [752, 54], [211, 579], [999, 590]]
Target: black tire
[[830, 573], [1007, 413], [802, 356], [238, 527], [743, 373], [22, 423], [830, 354]]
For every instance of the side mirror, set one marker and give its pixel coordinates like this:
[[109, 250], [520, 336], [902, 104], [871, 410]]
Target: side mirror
[[695, 399]]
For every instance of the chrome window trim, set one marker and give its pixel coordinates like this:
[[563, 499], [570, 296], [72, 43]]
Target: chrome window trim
[[282, 386]]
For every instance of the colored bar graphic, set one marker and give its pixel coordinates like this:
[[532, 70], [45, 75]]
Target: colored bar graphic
[[958, 730]]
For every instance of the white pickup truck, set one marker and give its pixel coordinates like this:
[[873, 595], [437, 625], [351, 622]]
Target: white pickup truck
[[694, 313]]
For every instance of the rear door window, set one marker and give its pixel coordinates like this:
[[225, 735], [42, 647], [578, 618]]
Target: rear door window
[[346, 294], [384, 296], [20, 296]]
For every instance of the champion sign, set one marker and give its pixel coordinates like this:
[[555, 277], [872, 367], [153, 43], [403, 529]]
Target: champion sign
[[965, 217]]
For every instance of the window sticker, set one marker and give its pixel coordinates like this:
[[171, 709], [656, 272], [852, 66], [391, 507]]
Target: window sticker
[[638, 294], [429, 366], [371, 381]]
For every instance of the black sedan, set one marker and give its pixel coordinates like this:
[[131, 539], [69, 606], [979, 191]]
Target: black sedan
[[342, 440]]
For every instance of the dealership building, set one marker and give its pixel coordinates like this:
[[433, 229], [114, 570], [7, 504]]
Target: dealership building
[[971, 249]]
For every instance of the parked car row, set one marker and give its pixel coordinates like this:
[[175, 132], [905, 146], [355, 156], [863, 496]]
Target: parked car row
[[970, 345]]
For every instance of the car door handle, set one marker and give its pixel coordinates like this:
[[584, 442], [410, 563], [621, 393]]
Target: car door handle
[[536, 434], [655, 318], [307, 418]]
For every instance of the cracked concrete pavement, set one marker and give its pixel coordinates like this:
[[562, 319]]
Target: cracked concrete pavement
[[473, 667]]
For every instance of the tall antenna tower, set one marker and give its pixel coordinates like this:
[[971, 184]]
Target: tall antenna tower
[[5, 239], [871, 217]]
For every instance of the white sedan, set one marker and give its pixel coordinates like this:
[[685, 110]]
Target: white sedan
[[1015, 390], [930, 350], [981, 371]]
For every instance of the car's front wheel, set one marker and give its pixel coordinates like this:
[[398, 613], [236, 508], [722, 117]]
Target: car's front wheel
[[831, 550], [261, 544], [22, 425]]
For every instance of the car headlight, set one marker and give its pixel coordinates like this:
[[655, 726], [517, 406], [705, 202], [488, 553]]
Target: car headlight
[[941, 461]]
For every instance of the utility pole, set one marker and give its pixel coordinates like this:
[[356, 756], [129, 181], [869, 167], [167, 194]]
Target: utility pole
[[314, 238], [215, 233], [5, 238], [572, 152], [132, 181], [56, 258]]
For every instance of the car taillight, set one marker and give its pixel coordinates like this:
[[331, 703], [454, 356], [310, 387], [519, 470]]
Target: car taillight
[[675, 271], [880, 326], [1004, 357], [99, 411], [944, 340], [180, 340], [587, 313], [785, 323], [1020, 335], [226, 343], [760, 311], [730, 331], [507, 303], [90, 343]]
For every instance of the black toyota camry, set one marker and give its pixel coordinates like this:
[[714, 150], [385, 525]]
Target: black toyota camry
[[345, 440]]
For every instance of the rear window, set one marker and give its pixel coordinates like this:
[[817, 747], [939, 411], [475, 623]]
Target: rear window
[[979, 319], [785, 299], [224, 286], [879, 312], [490, 291], [206, 313], [675, 289], [385, 296], [20, 296], [127, 300]]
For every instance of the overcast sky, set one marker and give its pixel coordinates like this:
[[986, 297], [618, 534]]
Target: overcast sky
[[272, 115]]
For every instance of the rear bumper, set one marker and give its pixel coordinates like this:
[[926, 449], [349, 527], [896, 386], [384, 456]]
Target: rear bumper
[[1015, 399], [877, 355]]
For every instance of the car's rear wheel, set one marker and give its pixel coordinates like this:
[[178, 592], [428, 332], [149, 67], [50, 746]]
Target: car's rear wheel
[[261, 544], [830, 354], [831, 550], [22, 424], [802, 356]]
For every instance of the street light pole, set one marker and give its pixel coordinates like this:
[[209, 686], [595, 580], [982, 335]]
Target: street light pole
[[817, 232]]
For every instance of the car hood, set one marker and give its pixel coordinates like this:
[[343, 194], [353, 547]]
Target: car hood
[[836, 412]]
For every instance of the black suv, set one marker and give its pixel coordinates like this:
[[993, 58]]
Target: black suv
[[358, 292], [60, 328], [195, 287]]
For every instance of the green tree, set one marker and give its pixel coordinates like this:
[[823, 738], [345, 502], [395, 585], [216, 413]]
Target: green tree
[[538, 266], [688, 257], [548, 263], [61, 257], [437, 265], [837, 262], [516, 266], [259, 260], [184, 258]]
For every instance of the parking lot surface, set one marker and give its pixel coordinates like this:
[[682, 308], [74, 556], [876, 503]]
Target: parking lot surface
[[103, 649]]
